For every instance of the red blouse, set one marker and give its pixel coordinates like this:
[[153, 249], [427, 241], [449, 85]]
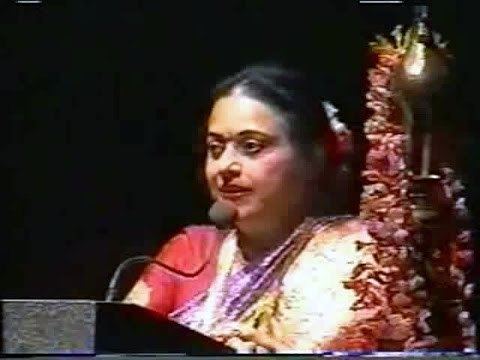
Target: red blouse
[[187, 252]]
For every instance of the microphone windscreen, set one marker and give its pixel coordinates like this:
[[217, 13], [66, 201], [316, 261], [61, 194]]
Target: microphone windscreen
[[222, 214]]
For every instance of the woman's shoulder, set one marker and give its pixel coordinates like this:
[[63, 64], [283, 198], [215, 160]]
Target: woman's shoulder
[[194, 235], [340, 226], [193, 242], [339, 237], [187, 251]]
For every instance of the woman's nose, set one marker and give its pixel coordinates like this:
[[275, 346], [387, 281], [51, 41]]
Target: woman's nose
[[231, 171], [229, 166]]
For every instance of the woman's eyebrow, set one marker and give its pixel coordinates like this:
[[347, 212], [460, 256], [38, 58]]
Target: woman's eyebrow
[[241, 133], [215, 135], [253, 132]]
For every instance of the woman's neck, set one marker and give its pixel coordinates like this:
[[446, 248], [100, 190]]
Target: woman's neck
[[255, 240]]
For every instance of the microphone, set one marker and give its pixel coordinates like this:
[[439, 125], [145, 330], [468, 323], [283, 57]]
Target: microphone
[[222, 214], [112, 287]]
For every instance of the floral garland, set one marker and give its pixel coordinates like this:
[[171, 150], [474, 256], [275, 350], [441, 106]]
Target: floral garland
[[386, 208], [450, 262], [401, 283]]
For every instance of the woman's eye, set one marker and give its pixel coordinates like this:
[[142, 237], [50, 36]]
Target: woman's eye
[[215, 149], [251, 147]]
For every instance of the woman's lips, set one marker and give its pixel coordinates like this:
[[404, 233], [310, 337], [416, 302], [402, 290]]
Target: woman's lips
[[234, 193]]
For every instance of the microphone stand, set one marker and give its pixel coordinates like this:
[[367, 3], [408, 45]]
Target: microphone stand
[[112, 287]]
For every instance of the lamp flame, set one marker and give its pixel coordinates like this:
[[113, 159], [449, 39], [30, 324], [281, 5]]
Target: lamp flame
[[415, 61]]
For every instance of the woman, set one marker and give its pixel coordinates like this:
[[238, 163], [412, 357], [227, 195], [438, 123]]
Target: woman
[[276, 280]]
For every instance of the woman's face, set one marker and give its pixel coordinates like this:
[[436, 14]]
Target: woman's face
[[252, 163]]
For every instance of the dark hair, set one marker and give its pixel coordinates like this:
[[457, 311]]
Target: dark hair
[[289, 93]]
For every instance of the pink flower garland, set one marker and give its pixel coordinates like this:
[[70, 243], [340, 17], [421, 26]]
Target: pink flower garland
[[420, 270], [396, 284]]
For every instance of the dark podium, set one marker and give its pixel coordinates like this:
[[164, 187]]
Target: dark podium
[[83, 327]]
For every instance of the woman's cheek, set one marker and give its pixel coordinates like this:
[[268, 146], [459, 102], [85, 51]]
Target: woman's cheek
[[274, 170], [210, 179]]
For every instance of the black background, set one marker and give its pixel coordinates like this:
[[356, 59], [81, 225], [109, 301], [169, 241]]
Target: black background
[[101, 103]]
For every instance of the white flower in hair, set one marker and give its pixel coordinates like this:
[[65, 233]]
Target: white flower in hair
[[336, 125]]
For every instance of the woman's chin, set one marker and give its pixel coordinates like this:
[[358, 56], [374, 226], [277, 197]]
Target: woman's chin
[[246, 215]]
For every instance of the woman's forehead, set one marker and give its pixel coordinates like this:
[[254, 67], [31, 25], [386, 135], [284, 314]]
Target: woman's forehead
[[234, 114]]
